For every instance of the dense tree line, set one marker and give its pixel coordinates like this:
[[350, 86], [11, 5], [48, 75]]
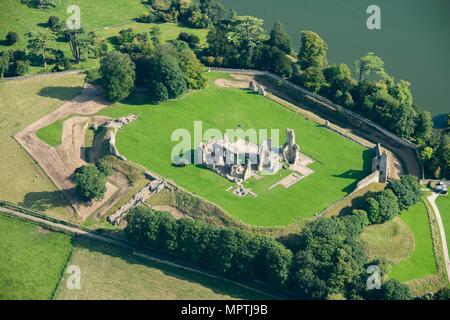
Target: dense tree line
[[232, 252], [165, 70]]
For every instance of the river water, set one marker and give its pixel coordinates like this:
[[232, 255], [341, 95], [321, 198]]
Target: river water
[[414, 39]]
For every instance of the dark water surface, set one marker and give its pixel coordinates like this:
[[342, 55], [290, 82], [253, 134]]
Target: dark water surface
[[414, 40]]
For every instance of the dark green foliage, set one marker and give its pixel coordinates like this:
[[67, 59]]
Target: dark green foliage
[[228, 251], [104, 166], [329, 260], [191, 39], [407, 190], [171, 76], [53, 22], [442, 294], [90, 182], [394, 290], [275, 61], [5, 58], [382, 207], [117, 71], [280, 38], [19, 68], [12, 37], [313, 51]]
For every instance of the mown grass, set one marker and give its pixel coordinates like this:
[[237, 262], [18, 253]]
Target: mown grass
[[52, 134], [109, 272], [22, 103], [422, 262], [339, 163], [392, 241], [32, 260]]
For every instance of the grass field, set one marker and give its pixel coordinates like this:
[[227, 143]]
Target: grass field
[[105, 18], [31, 260], [52, 134], [339, 163], [21, 103], [443, 204], [108, 272], [392, 241], [422, 262]]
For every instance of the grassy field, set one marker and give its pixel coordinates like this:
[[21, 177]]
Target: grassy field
[[31, 260], [52, 134], [21, 103], [392, 241], [105, 18], [422, 262], [108, 272], [339, 163], [443, 204]]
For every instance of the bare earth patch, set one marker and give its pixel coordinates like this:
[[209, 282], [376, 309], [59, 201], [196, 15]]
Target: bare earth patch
[[59, 163]]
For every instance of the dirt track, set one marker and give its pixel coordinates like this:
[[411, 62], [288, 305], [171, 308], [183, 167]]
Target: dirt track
[[59, 163]]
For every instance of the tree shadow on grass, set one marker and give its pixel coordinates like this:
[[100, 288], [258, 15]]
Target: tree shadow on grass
[[43, 200], [216, 285], [60, 93]]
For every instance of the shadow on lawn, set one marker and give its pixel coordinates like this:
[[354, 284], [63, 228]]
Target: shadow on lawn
[[60, 93], [215, 285], [44, 200]]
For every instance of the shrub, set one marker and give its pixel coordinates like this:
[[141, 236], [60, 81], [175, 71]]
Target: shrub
[[53, 22], [104, 166], [66, 63], [12, 37]]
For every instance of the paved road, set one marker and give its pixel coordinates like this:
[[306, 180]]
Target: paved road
[[127, 245], [432, 200]]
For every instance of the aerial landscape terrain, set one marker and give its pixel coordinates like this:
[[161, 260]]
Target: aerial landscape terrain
[[222, 150]]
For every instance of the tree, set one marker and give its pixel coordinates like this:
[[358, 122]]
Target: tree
[[369, 64], [275, 61], [104, 166], [191, 39], [12, 38], [90, 182], [118, 75], [53, 22], [382, 207], [278, 262], [424, 125], [38, 44], [407, 190], [313, 51], [19, 68], [442, 294], [5, 58], [311, 79], [171, 75], [279, 38], [193, 70], [328, 261], [394, 290]]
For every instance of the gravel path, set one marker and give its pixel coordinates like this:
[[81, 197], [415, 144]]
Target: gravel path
[[432, 200]]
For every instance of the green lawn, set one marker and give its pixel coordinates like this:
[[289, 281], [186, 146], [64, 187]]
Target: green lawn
[[52, 134], [443, 204], [340, 163], [31, 260], [109, 272], [22, 103], [422, 262]]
